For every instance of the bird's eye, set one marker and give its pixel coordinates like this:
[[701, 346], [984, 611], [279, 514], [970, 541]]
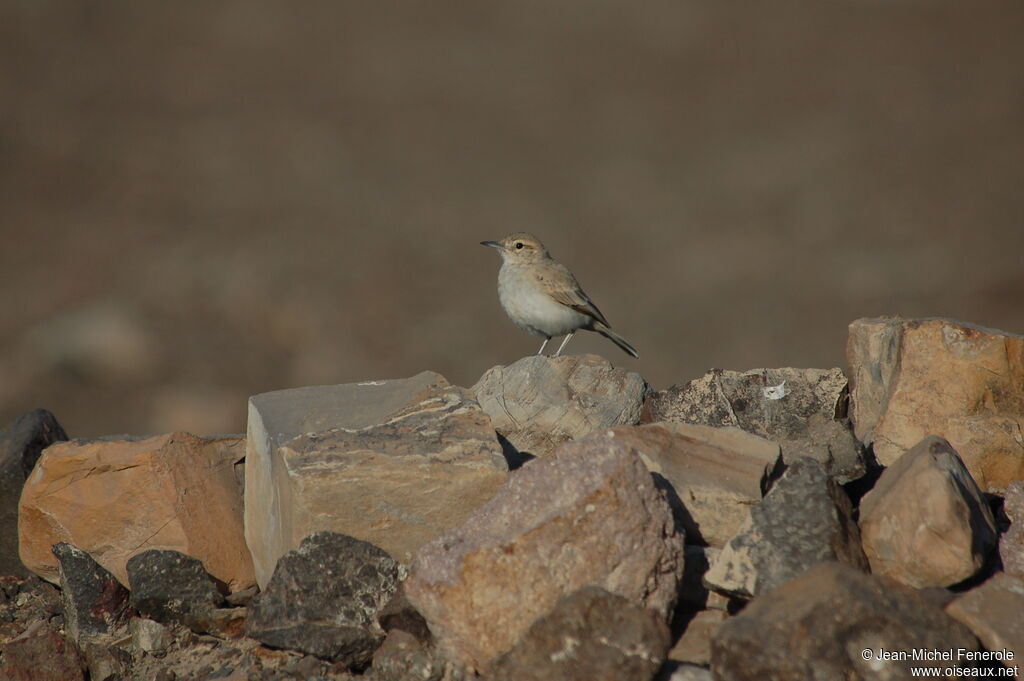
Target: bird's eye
[[519, 244]]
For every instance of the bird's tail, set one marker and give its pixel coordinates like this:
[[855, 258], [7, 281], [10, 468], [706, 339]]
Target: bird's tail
[[617, 339]]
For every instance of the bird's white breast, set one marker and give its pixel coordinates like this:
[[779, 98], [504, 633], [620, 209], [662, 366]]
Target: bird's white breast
[[531, 308]]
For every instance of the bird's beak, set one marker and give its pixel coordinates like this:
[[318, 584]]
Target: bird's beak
[[492, 244]]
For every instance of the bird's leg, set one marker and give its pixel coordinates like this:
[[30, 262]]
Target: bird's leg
[[543, 345], [564, 343]]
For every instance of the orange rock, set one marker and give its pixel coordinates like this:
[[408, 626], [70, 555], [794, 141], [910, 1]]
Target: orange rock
[[919, 377], [114, 499]]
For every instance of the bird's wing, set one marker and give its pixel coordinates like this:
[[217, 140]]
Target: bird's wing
[[558, 281]]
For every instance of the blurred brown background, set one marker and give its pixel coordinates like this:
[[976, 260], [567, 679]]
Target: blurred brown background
[[202, 201]]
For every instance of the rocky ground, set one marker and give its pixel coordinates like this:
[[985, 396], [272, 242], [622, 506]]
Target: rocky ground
[[558, 520]]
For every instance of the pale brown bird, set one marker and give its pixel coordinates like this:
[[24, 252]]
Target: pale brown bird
[[540, 295]]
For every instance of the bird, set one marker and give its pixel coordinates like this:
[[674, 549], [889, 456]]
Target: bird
[[541, 296]]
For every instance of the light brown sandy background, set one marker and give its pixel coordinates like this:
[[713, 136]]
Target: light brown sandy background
[[199, 203]]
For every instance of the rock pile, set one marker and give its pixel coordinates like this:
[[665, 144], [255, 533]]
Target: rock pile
[[558, 521]]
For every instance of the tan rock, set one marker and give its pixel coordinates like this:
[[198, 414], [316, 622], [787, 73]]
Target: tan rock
[[540, 402], [1011, 544], [993, 612], [114, 499], [694, 646], [913, 378], [394, 463], [925, 523], [587, 515], [712, 475]]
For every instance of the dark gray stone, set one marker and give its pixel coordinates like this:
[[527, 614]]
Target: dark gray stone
[[21, 443], [807, 416], [824, 624], [324, 598], [95, 603], [590, 635], [805, 519], [169, 586]]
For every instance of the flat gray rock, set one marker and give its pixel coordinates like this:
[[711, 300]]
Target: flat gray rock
[[395, 463]]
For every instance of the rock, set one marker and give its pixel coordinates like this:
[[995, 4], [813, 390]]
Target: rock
[[168, 586], [590, 635], [919, 377], [540, 402], [402, 657], [993, 612], [398, 613], [804, 520], [925, 523], [806, 416], [176, 654], [21, 443], [105, 662], [818, 626], [242, 598], [114, 499], [394, 463], [830, 443], [324, 599], [41, 654], [675, 671], [587, 515], [24, 601], [149, 636], [1011, 544], [694, 646], [693, 593], [711, 475], [95, 603], [223, 622]]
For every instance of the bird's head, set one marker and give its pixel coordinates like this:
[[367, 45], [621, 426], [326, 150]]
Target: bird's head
[[519, 248]]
